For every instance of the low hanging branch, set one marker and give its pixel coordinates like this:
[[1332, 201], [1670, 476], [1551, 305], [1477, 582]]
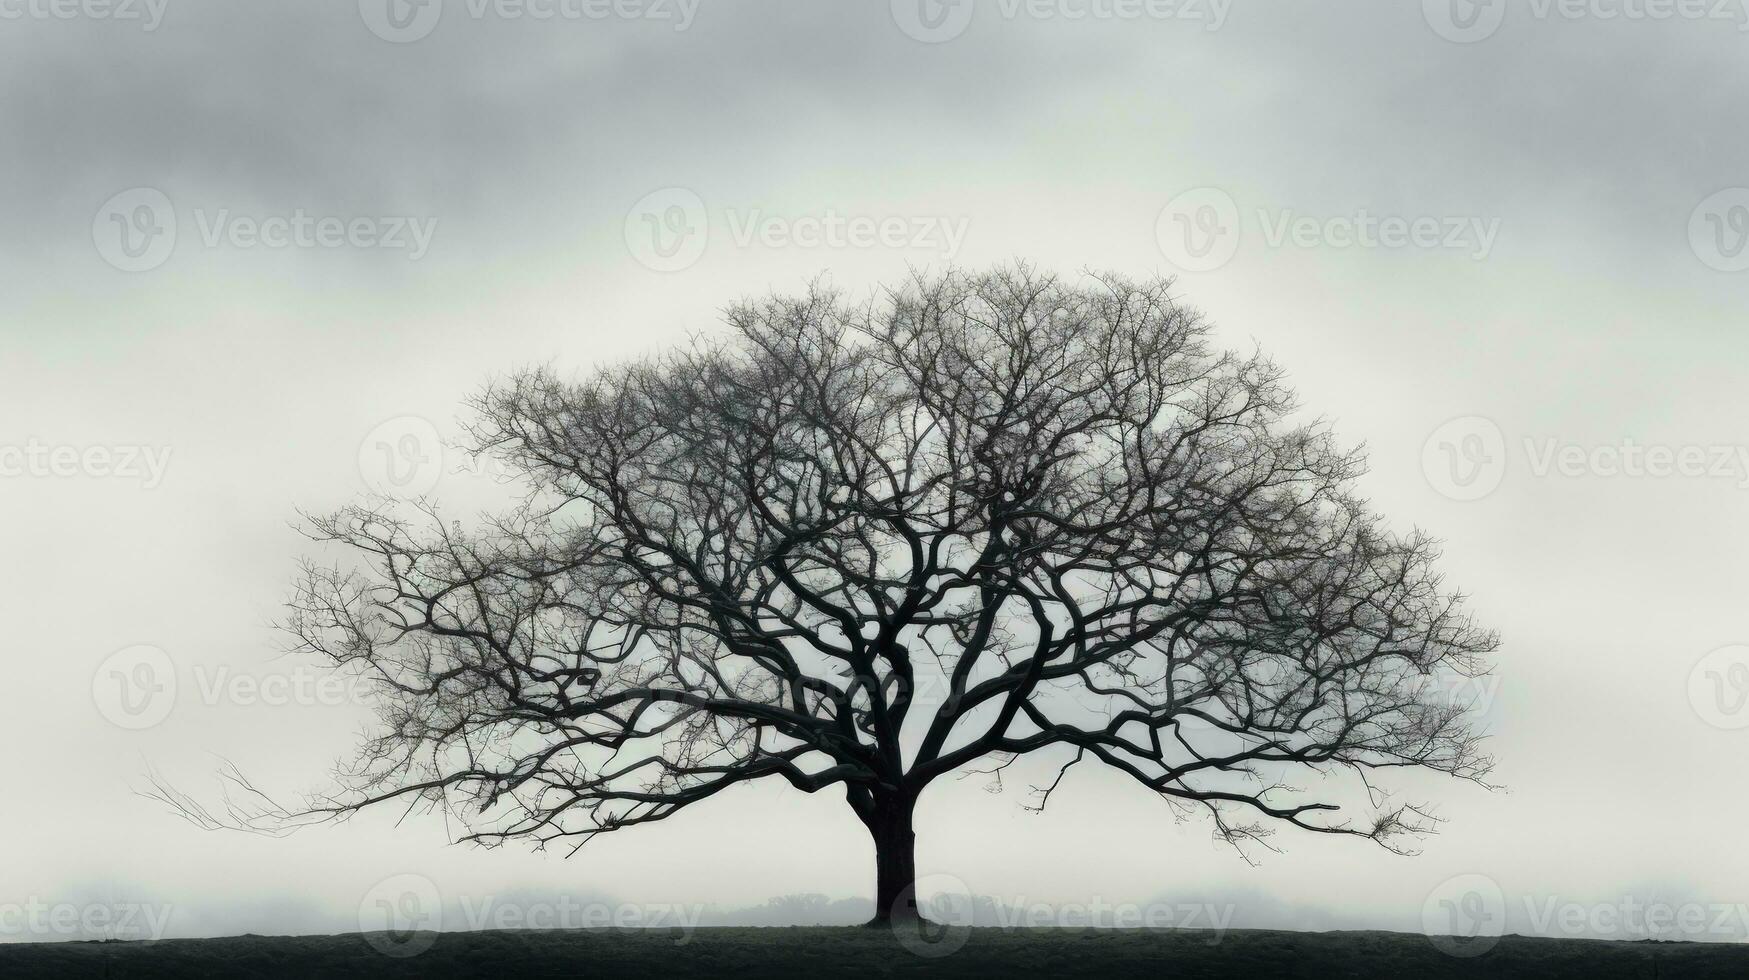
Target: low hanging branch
[[866, 546]]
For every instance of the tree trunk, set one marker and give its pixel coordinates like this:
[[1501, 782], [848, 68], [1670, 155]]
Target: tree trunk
[[895, 860]]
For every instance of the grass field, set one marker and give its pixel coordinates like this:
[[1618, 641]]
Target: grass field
[[737, 953]]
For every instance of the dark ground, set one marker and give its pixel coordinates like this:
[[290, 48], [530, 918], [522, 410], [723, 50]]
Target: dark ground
[[736, 953]]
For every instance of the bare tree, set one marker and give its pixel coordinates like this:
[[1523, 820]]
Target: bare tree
[[858, 547]]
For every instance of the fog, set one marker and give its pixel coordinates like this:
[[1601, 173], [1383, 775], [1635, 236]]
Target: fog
[[1520, 286]]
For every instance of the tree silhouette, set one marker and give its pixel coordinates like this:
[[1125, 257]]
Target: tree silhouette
[[858, 547]]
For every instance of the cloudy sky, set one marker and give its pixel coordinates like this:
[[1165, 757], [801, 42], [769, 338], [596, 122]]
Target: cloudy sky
[[254, 255]]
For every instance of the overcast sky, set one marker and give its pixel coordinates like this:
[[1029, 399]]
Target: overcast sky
[[250, 250]]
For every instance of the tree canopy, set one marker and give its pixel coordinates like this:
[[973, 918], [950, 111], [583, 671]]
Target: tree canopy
[[861, 545]]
